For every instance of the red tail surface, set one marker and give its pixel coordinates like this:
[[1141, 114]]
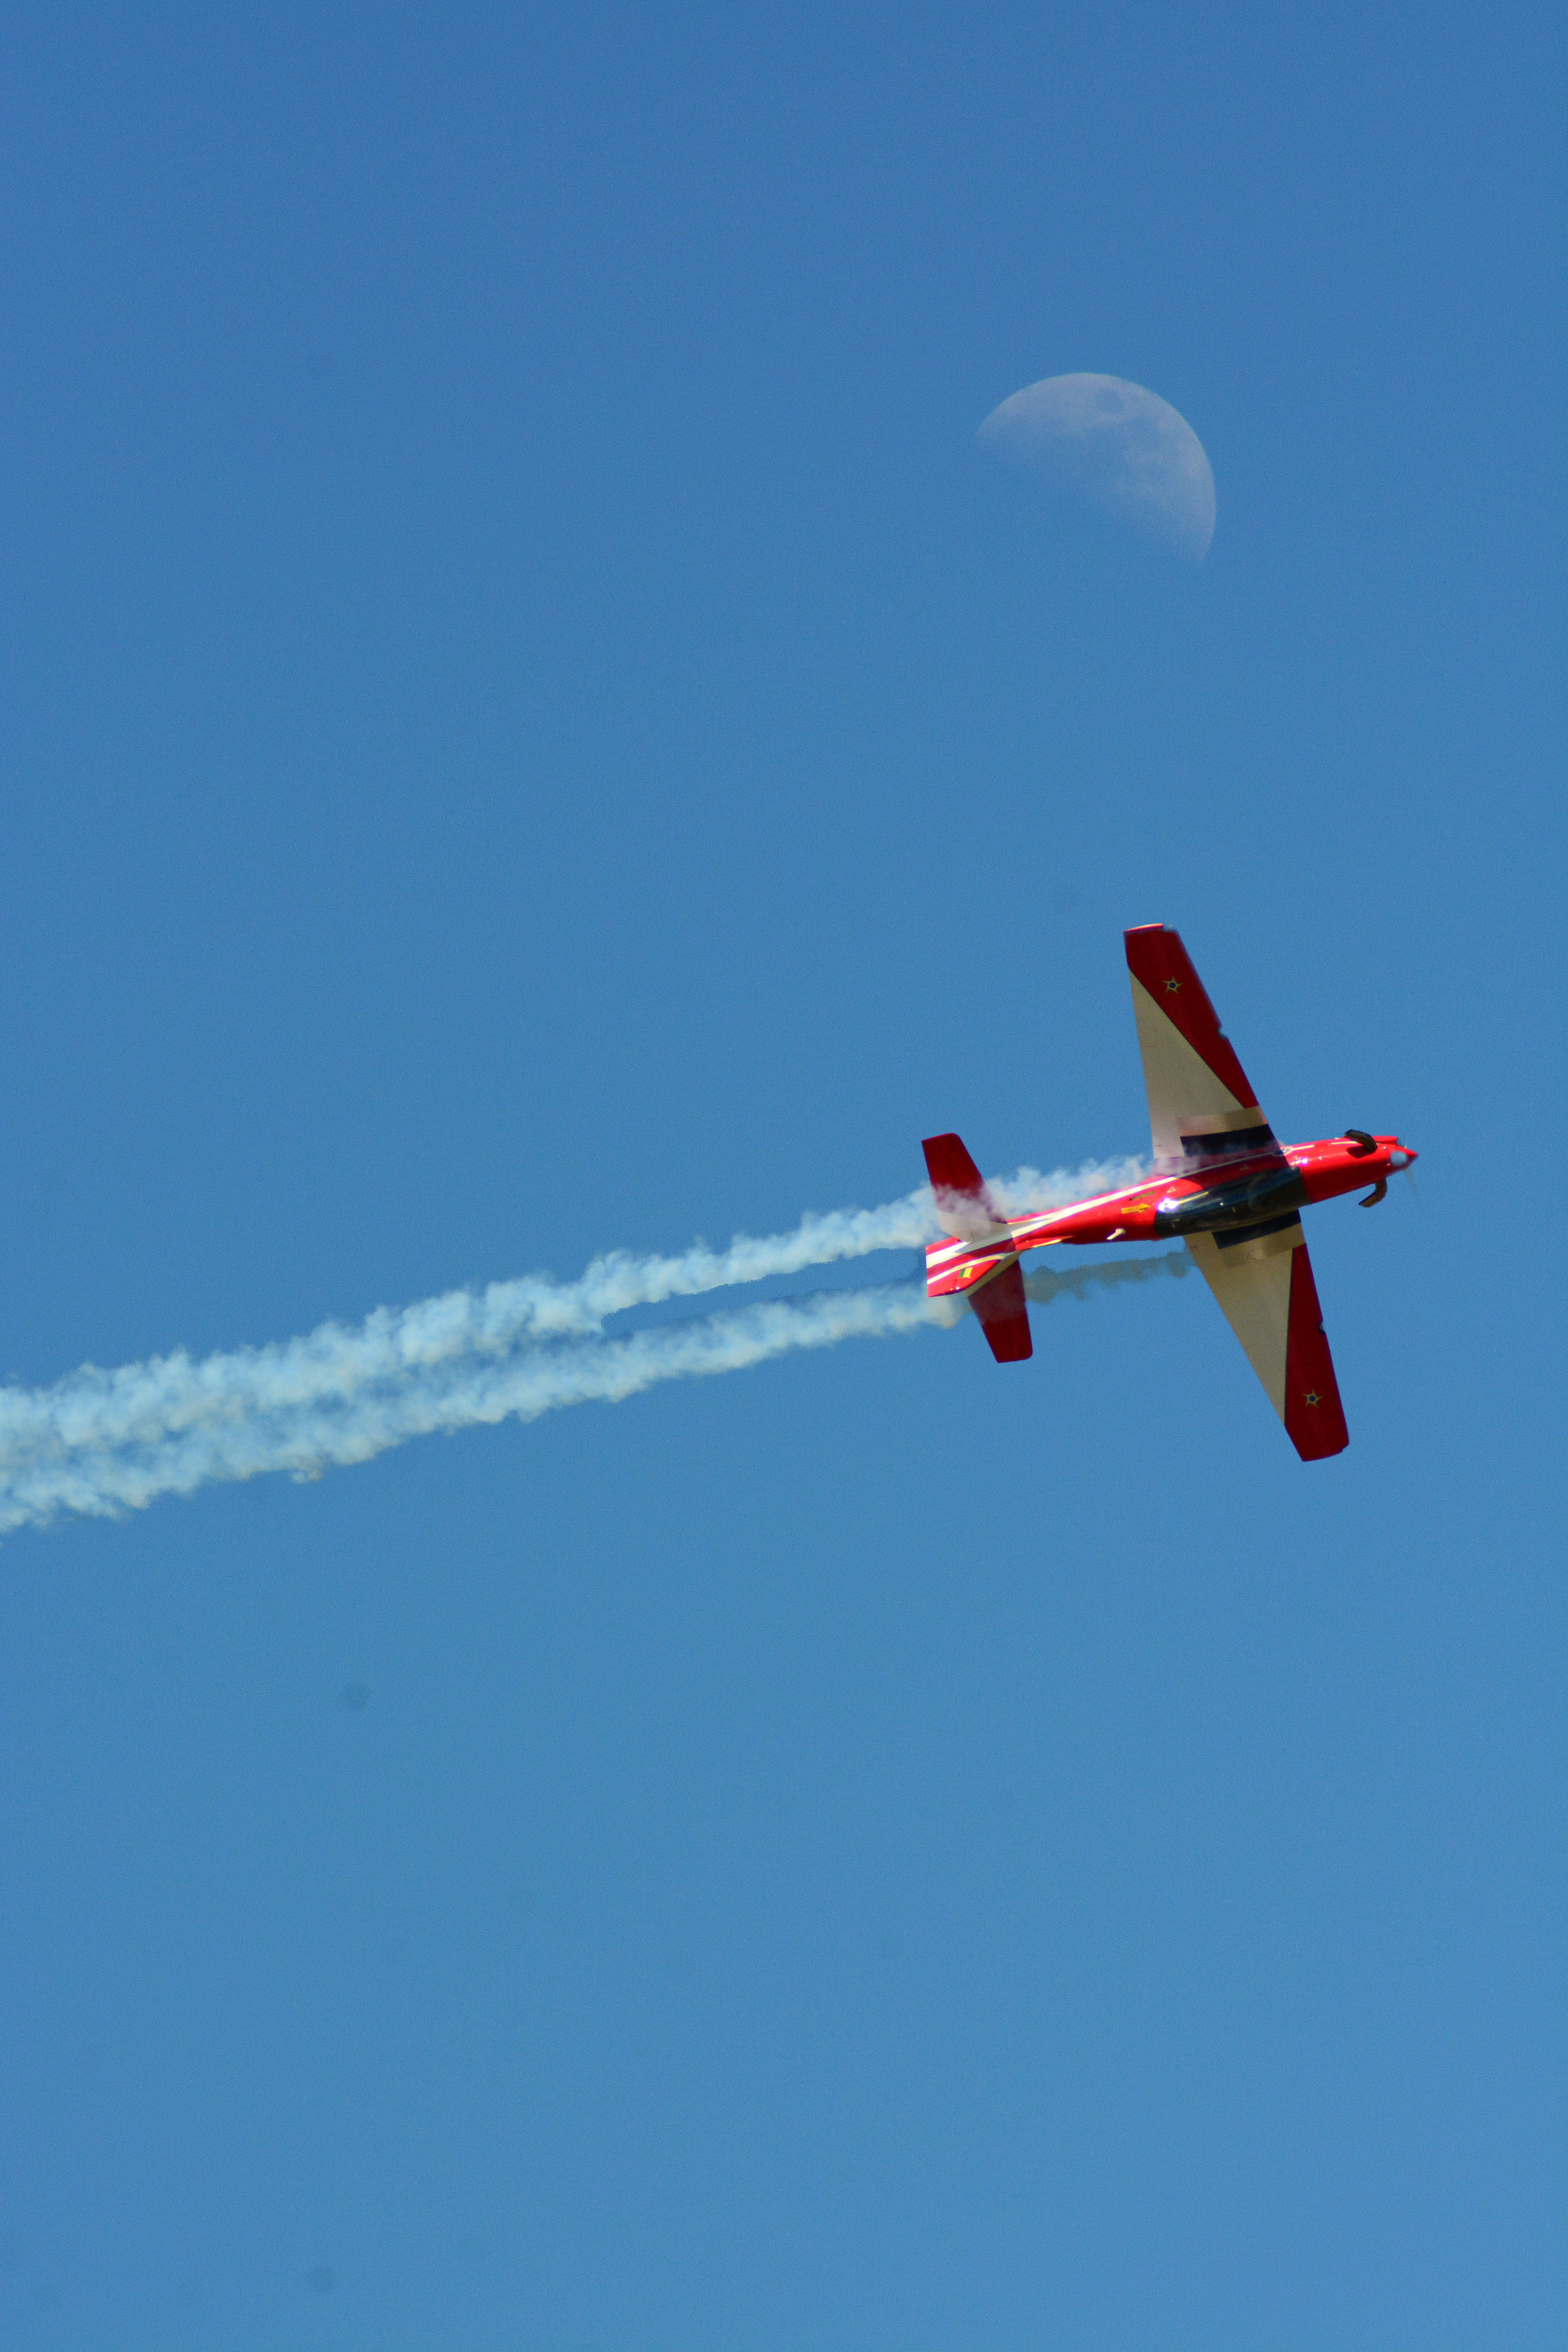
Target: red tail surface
[[957, 1183], [967, 1210], [1004, 1315]]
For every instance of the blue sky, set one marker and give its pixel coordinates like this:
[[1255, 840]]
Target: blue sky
[[529, 727]]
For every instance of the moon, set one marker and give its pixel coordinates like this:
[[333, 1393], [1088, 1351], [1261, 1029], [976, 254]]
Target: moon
[[1122, 448]]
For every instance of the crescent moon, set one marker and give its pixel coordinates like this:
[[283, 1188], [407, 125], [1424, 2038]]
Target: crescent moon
[[1122, 447]]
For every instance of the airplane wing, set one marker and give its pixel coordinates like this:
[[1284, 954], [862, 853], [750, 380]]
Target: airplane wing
[[1262, 1278], [1201, 1107]]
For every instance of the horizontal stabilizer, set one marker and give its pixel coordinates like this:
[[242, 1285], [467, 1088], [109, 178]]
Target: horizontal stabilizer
[[1004, 1315], [980, 1262], [962, 1203]]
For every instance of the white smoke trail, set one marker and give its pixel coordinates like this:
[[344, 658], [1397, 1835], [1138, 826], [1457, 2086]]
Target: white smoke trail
[[97, 1475], [496, 1320], [334, 1363], [100, 1443]]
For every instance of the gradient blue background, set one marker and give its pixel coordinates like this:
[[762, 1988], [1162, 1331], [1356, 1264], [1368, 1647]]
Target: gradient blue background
[[529, 726]]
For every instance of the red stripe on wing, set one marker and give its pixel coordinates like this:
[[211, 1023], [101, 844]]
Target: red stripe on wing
[[1314, 1417], [1157, 957]]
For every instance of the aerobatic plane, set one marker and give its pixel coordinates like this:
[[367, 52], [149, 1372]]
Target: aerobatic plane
[[1220, 1181]]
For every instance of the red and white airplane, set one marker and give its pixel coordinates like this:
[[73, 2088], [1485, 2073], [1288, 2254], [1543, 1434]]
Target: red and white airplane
[[1220, 1181]]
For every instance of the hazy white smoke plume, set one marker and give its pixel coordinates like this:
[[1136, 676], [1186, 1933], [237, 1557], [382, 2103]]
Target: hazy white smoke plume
[[108, 1442]]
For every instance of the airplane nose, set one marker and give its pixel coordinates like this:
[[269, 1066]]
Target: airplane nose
[[1401, 1157]]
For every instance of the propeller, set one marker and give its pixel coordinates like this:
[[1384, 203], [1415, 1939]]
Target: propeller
[[1361, 1144]]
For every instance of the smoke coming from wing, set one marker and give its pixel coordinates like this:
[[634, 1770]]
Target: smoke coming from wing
[[1082, 1281], [101, 1443]]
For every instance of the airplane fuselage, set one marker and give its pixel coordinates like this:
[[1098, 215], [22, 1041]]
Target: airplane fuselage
[[1240, 1190]]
